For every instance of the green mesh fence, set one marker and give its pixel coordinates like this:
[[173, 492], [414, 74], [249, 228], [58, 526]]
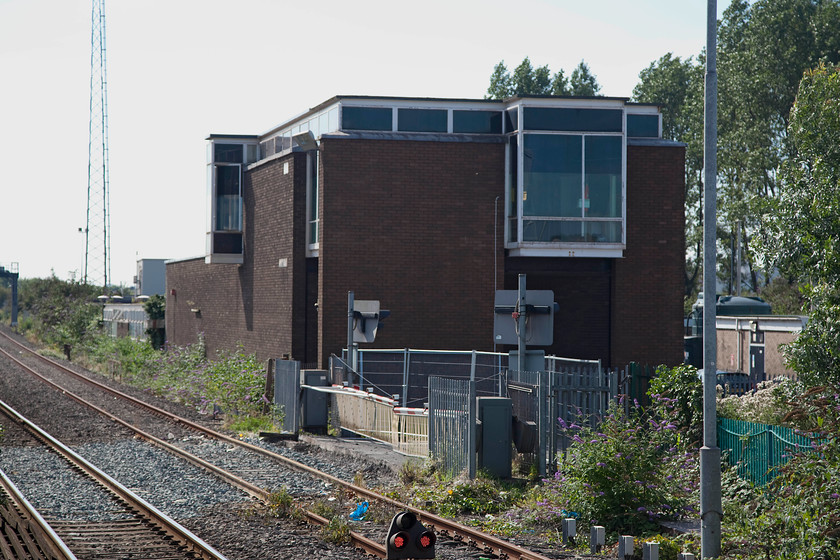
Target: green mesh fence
[[758, 450]]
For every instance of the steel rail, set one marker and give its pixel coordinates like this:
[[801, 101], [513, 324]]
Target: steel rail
[[357, 540], [144, 509], [45, 536], [473, 536]]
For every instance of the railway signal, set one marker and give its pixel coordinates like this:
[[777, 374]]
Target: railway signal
[[408, 538]]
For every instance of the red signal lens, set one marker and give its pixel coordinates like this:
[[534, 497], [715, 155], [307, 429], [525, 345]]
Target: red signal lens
[[426, 540], [400, 540]]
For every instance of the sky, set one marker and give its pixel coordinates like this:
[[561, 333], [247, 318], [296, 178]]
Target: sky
[[180, 70]]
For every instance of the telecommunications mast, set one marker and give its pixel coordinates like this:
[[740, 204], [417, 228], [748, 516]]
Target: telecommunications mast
[[97, 228]]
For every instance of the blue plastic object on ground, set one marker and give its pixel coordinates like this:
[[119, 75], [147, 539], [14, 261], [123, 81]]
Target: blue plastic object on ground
[[360, 511]]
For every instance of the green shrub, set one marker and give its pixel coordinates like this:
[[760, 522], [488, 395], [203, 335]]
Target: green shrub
[[677, 394], [798, 514], [627, 474], [483, 495]]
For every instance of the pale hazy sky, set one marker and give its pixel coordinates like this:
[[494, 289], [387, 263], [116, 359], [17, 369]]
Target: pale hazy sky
[[180, 70]]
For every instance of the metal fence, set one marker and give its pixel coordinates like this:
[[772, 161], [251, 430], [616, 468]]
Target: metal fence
[[757, 451], [571, 389], [452, 426], [574, 390], [287, 393], [405, 372]]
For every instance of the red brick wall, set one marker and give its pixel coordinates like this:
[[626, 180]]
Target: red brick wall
[[582, 291], [258, 304], [647, 313], [410, 224]]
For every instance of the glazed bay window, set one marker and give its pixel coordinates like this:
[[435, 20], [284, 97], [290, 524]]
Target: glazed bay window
[[566, 183], [225, 167], [572, 189]]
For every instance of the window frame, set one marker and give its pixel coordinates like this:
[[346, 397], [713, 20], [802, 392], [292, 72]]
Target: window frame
[[522, 247], [235, 235], [313, 189]]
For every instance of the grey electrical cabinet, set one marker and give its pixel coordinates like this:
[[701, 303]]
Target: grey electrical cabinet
[[313, 405], [495, 415]]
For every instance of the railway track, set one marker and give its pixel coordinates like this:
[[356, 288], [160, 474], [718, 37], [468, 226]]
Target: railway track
[[248, 478], [133, 528]]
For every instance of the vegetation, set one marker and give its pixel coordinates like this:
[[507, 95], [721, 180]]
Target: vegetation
[[527, 80], [764, 47], [62, 313], [801, 225]]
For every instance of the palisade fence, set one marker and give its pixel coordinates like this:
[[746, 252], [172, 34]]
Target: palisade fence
[[445, 384], [757, 451], [452, 426]]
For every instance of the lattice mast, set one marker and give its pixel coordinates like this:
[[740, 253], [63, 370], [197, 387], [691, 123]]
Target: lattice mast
[[97, 229]]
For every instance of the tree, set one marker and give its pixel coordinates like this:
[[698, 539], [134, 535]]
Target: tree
[[764, 46], [500, 82], [677, 86], [582, 82], [527, 80], [156, 310], [800, 227]]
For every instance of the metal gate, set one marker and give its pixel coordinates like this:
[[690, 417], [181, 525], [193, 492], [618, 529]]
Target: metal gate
[[452, 415], [287, 393]]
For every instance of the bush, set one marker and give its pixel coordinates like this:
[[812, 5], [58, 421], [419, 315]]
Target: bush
[[677, 393], [483, 495], [766, 405], [627, 474], [798, 514]]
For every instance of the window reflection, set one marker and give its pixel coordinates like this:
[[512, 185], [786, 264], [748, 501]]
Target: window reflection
[[552, 175], [575, 182]]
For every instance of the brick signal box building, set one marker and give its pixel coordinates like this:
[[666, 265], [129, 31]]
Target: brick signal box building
[[429, 206]]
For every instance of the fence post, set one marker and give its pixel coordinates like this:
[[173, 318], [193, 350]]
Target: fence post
[[471, 433], [406, 376], [543, 423], [360, 368], [432, 424]]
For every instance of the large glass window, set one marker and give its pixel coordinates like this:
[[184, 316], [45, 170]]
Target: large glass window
[[228, 198], [571, 189], [643, 126], [513, 181], [552, 175], [602, 183], [227, 153], [421, 120], [573, 120], [366, 118], [313, 210], [226, 160], [477, 122]]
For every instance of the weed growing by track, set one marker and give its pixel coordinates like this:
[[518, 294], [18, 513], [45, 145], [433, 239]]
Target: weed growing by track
[[232, 383]]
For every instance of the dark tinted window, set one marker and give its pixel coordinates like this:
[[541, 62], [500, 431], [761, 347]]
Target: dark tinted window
[[643, 126], [227, 153], [421, 120], [577, 120], [511, 120], [366, 118], [480, 122], [227, 243]]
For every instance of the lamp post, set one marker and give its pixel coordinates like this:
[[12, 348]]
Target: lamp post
[[710, 500]]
